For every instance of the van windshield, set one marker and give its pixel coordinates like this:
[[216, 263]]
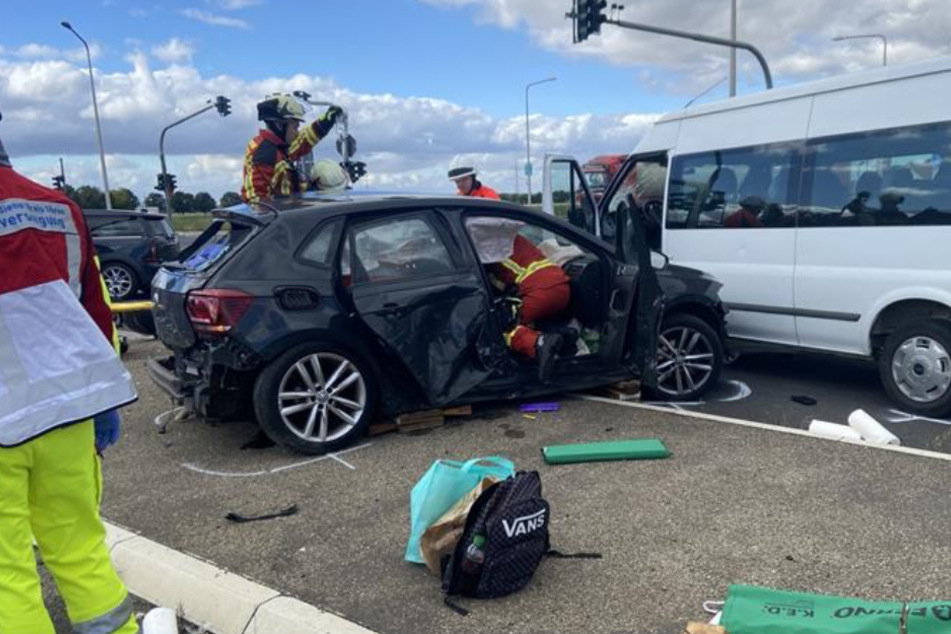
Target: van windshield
[[213, 245]]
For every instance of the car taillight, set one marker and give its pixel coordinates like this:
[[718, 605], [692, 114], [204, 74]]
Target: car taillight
[[217, 311], [153, 256]]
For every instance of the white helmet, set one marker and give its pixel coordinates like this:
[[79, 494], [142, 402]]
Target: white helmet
[[328, 176]]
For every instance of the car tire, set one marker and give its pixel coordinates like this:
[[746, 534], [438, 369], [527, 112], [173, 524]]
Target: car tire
[[121, 281], [291, 411], [689, 358], [915, 367]]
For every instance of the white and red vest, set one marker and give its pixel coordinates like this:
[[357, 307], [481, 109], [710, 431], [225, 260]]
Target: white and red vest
[[57, 365]]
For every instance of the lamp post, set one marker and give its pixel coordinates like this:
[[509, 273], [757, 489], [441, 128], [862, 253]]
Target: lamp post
[[95, 110], [733, 50], [528, 138], [876, 35]]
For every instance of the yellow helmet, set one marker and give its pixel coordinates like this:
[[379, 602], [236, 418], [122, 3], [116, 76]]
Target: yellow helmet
[[280, 107]]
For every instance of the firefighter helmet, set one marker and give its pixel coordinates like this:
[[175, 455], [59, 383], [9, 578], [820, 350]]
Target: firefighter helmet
[[328, 176], [280, 107], [461, 172]]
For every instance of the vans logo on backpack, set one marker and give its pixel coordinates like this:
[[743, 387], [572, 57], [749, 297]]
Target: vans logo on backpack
[[525, 524]]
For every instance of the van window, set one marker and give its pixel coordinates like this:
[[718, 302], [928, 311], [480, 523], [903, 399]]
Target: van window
[[746, 188], [568, 195], [900, 176]]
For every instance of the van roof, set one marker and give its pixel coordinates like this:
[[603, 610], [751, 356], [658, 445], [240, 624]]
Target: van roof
[[826, 85]]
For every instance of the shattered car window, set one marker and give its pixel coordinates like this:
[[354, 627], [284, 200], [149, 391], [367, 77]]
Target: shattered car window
[[397, 250]]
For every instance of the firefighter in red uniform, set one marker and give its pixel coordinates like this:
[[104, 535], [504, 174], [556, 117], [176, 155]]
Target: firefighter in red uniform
[[544, 291], [268, 162], [469, 185], [58, 371]]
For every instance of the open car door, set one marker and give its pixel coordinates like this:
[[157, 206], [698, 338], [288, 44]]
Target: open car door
[[565, 193], [410, 288], [636, 306]]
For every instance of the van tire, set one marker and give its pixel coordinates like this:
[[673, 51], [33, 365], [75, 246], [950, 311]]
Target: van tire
[[280, 386], [916, 360]]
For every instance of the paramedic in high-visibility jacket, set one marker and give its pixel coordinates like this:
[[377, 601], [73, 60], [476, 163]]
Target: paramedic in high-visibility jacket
[[269, 170], [60, 383]]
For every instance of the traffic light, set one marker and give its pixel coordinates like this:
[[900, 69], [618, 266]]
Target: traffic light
[[223, 104], [166, 179], [59, 182], [588, 16]]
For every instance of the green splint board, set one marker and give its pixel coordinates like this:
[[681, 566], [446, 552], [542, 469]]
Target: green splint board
[[636, 449]]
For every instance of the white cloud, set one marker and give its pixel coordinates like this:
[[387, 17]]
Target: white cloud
[[37, 51], [406, 141], [175, 50], [795, 37], [214, 19], [233, 5]]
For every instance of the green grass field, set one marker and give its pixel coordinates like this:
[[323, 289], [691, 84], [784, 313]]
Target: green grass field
[[190, 222]]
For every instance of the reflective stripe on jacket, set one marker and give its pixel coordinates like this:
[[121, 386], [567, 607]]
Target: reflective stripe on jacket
[[56, 362], [268, 164], [528, 268]]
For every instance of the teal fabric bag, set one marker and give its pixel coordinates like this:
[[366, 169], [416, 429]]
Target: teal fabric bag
[[443, 485]]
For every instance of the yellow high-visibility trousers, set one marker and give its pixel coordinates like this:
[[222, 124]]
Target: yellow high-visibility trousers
[[50, 489]]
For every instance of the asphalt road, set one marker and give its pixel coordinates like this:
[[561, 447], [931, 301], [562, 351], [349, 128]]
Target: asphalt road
[[760, 387], [733, 505]]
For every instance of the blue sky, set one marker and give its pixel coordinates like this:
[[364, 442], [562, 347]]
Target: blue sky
[[429, 83]]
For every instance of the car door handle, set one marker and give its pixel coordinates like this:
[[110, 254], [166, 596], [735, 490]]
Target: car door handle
[[391, 308]]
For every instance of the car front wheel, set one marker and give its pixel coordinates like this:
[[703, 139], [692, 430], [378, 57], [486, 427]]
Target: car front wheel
[[315, 398], [689, 358], [915, 367], [120, 281]]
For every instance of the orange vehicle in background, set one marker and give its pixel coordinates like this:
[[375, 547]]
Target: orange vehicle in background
[[600, 170]]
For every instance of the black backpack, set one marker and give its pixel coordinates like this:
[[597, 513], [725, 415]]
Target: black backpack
[[512, 519]]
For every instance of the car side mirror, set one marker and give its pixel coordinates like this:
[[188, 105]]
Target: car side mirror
[[659, 260]]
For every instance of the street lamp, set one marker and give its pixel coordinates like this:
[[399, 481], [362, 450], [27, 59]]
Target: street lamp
[[528, 137], [95, 109], [878, 35]]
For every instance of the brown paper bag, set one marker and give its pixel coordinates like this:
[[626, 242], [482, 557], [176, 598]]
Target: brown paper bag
[[441, 538]]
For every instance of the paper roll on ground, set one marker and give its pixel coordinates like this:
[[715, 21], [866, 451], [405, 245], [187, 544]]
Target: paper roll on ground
[[871, 429], [833, 430]]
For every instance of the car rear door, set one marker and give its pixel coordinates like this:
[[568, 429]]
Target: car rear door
[[428, 305]]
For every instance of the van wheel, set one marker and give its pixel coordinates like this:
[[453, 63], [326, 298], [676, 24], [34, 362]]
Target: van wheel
[[689, 358], [315, 398], [915, 367]]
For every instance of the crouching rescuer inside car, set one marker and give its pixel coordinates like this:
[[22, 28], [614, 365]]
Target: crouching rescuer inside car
[[269, 170], [534, 287]]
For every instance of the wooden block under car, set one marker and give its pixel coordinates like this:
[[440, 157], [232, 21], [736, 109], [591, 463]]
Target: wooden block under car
[[416, 421], [379, 429], [623, 391], [704, 628], [462, 410]]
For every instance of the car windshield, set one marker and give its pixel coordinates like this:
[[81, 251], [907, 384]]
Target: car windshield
[[596, 179]]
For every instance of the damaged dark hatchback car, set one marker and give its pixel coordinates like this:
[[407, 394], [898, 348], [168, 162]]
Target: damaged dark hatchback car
[[328, 312]]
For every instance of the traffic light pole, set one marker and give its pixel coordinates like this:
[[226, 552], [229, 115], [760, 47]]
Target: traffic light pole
[[699, 38], [224, 109]]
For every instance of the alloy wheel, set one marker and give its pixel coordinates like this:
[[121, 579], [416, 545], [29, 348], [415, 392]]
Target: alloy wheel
[[322, 397], [921, 369], [118, 281], [684, 361]]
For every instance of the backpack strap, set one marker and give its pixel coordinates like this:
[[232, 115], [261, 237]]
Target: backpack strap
[[560, 555], [455, 607]]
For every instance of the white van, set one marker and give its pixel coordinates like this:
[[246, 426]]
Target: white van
[[824, 209]]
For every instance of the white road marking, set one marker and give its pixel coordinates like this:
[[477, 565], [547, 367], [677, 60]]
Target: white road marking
[[904, 417], [924, 453], [250, 474]]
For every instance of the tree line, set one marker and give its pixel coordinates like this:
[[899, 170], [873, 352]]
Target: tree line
[[91, 197]]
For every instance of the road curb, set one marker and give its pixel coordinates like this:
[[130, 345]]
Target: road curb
[[210, 596], [912, 451]]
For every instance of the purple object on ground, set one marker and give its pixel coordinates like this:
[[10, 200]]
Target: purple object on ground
[[539, 407]]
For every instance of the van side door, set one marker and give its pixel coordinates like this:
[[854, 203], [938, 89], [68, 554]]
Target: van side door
[[732, 213]]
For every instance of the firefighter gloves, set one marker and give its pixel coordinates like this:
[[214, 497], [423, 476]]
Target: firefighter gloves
[[107, 429], [328, 119]]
